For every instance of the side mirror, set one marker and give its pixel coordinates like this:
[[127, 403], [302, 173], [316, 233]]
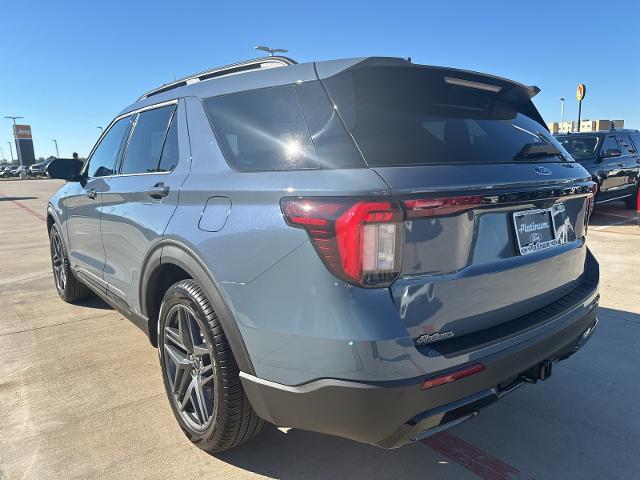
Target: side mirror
[[612, 152], [65, 169]]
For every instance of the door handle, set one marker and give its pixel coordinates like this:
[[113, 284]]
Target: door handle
[[159, 190], [92, 194], [621, 165]]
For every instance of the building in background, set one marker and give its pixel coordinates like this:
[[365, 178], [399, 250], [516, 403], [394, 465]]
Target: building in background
[[585, 126]]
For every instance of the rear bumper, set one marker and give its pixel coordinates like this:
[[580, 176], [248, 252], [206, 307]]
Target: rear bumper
[[390, 414]]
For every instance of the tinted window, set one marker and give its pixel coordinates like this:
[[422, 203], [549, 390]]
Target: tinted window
[[580, 146], [610, 143], [145, 146], [627, 146], [282, 128], [412, 116], [104, 158], [334, 148], [262, 129], [170, 152]]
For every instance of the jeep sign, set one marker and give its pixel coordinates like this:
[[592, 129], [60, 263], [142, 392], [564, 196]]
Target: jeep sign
[[24, 144]]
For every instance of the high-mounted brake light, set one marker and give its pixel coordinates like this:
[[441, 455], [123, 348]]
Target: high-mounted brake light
[[453, 376], [358, 240], [471, 84]]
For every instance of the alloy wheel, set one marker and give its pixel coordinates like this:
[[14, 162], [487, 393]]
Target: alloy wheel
[[189, 362], [57, 259]]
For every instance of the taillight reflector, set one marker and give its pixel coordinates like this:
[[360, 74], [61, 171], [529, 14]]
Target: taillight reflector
[[453, 376]]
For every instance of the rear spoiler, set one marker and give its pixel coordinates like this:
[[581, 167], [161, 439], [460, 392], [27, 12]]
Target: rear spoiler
[[509, 90]]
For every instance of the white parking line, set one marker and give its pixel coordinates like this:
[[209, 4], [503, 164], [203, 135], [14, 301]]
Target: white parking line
[[622, 222], [615, 214]]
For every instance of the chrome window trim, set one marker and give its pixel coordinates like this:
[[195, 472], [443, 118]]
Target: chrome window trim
[[120, 156]]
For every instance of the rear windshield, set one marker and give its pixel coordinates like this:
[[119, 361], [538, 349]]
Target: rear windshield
[[412, 116], [580, 147]]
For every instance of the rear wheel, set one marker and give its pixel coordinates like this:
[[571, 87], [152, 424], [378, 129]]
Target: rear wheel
[[200, 373], [68, 286]]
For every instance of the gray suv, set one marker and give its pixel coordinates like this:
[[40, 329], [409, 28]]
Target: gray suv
[[367, 248]]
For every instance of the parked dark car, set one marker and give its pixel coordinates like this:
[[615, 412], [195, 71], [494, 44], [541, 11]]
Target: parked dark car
[[17, 170], [366, 248], [5, 172], [612, 159]]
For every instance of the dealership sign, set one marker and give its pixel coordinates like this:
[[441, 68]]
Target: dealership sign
[[581, 91], [24, 144], [21, 131]]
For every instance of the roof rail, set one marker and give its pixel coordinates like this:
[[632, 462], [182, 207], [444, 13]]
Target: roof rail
[[246, 66]]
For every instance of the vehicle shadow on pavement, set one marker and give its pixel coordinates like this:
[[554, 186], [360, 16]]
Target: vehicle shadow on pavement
[[93, 301], [12, 199], [629, 317], [613, 213], [299, 454]]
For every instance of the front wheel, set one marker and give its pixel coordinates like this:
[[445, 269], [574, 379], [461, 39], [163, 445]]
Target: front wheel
[[200, 373]]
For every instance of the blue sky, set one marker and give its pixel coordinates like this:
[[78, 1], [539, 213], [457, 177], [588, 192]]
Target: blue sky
[[70, 66]]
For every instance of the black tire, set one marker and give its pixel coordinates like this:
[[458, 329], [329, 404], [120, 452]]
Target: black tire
[[68, 286], [632, 201], [231, 420]]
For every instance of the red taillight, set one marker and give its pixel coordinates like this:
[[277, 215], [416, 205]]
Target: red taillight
[[453, 376], [431, 207], [359, 241]]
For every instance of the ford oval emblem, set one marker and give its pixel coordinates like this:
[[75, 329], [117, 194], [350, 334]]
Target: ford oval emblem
[[542, 170]]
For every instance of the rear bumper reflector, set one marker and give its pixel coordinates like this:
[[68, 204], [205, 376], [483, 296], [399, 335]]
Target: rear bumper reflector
[[452, 376]]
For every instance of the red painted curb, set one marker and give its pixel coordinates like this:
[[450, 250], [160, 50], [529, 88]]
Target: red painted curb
[[26, 208], [477, 461]]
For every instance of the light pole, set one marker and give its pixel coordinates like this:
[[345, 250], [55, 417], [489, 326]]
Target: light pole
[[11, 151], [270, 50], [56, 143], [561, 110], [100, 128], [1, 150], [14, 118]]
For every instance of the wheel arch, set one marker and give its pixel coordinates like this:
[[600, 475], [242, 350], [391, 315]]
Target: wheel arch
[[52, 217], [169, 262]]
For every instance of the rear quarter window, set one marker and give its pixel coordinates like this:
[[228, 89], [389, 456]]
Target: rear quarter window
[[290, 127]]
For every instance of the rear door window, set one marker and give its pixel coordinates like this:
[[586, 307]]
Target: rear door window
[[626, 144], [610, 143], [147, 139], [170, 152]]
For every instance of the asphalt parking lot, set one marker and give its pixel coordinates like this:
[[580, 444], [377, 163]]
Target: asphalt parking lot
[[81, 393]]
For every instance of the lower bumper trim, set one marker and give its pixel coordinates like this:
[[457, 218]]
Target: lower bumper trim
[[390, 417]]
